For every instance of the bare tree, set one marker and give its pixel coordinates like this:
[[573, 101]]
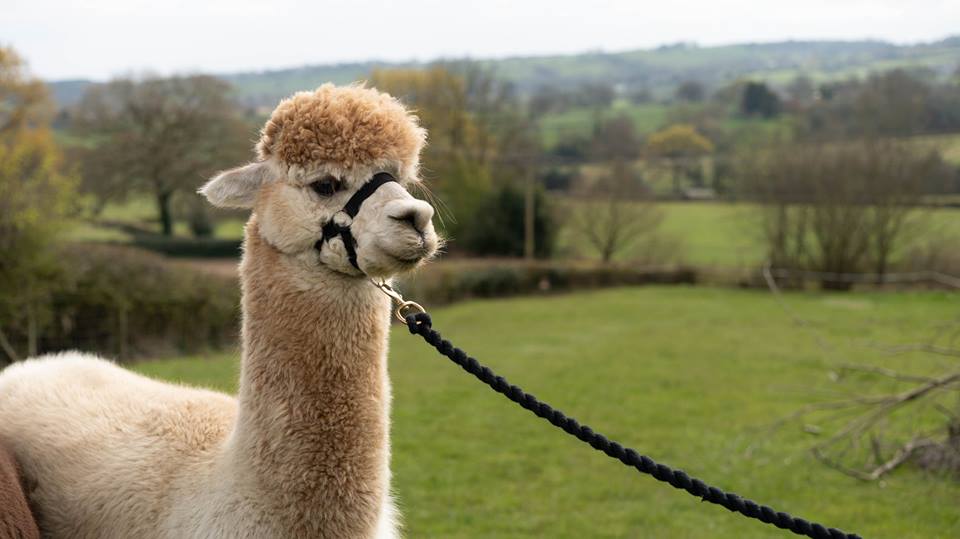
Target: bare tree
[[899, 177], [839, 208], [615, 139], [614, 212], [159, 136]]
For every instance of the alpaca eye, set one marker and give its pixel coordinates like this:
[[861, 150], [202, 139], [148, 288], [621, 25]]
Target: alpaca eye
[[326, 186]]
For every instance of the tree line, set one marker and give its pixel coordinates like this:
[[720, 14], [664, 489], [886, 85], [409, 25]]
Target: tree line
[[500, 188]]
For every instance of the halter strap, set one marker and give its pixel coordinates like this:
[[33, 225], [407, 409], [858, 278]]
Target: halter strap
[[351, 209]]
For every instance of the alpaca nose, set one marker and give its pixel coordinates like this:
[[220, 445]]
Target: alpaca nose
[[416, 213]]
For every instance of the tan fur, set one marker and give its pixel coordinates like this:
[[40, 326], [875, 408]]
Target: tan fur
[[351, 126], [321, 358], [304, 449]]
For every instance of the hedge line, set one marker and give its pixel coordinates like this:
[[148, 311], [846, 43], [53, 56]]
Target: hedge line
[[456, 281], [124, 303], [180, 247]]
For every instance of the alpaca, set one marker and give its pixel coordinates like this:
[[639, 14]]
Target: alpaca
[[303, 451]]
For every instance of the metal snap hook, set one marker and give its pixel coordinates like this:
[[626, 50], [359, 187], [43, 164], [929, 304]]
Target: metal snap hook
[[404, 308], [407, 308]]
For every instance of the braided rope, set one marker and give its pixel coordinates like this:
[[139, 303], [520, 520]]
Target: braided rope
[[420, 324]]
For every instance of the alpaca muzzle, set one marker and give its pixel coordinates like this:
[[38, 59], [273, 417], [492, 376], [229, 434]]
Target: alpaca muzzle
[[340, 223]]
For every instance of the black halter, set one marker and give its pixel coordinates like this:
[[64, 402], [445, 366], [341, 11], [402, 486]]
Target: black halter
[[331, 229]]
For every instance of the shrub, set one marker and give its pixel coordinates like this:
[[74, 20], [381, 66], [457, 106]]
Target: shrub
[[497, 228], [199, 221], [558, 179], [175, 246], [125, 303], [448, 282], [760, 100]]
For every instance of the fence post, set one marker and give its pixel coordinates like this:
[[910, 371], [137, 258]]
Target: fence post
[[123, 330]]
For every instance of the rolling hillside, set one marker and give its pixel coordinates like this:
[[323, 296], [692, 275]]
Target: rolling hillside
[[657, 70]]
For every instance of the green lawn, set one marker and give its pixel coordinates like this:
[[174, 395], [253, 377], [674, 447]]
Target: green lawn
[[141, 212], [689, 376]]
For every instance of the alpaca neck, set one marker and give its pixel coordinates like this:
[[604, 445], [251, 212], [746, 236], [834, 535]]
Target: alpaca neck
[[312, 429]]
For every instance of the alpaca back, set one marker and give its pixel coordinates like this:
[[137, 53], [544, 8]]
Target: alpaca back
[[107, 451]]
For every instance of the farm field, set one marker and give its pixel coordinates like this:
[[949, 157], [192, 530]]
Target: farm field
[[692, 377], [720, 234], [578, 121]]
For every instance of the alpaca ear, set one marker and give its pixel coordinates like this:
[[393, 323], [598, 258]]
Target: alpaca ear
[[237, 187]]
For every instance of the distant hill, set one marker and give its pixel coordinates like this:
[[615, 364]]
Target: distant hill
[[68, 92], [657, 70]]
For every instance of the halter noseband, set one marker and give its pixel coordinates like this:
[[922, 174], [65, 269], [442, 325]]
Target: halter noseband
[[332, 229]]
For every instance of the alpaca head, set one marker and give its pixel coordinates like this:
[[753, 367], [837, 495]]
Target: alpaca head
[[318, 149]]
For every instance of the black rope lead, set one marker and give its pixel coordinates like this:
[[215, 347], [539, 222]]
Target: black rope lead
[[420, 324]]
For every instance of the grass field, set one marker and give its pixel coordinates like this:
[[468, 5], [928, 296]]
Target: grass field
[[948, 145], [689, 376], [728, 235], [579, 121]]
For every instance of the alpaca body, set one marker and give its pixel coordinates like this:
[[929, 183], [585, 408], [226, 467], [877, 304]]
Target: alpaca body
[[141, 463], [105, 452], [303, 452]]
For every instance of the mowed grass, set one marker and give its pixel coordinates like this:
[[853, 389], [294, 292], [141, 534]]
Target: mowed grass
[[689, 376]]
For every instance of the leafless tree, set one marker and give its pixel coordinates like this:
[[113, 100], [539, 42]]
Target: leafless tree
[[159, 136], [613, 212], [839, 208], [615, 139]]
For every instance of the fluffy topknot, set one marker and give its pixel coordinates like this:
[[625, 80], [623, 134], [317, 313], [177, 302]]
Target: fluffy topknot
[[344, 126]]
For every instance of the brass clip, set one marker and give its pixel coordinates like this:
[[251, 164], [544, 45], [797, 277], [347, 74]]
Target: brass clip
[[403, 307]]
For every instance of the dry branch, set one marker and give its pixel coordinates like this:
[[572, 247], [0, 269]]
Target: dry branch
[[902, 455]]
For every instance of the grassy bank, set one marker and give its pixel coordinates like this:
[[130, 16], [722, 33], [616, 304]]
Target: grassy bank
[[689, 376]]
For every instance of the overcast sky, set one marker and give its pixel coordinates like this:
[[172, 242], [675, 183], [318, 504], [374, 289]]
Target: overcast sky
[[102, 38]]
